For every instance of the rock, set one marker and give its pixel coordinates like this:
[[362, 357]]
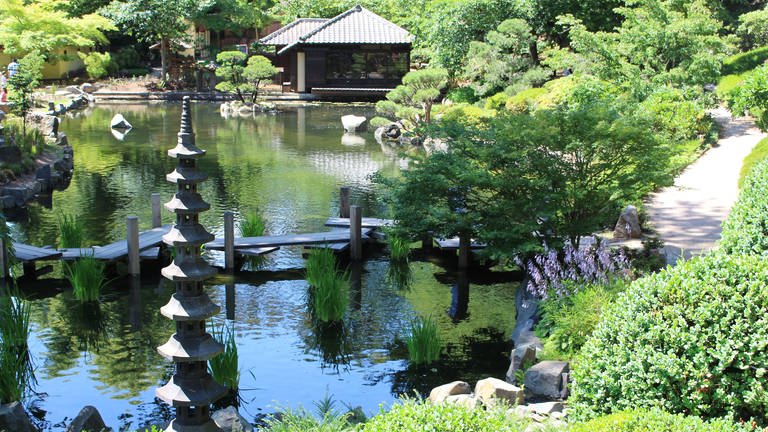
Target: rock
[[10, 154], [547, 408], [520, 357], [14, 418], [353, 123], [390, 132], [520, 411], [545, 379], [494, 388], [43, 173], [61, 109], [88, 420], [2, 115], [465, 400], [245, 109], [61, 139], [435, 145], [229, 420], [439, 394], [628, 225], [119, 122], [74, 90], [88, 87]]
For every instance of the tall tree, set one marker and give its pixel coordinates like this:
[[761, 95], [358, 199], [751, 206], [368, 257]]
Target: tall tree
[[153, 21], [40, 25]]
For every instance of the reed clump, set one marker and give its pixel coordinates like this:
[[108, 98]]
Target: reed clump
[[224, 367], [253, 225], [399, 247], [423, 342], [86, 275], [16, 372], [70, 231], [329, 288]]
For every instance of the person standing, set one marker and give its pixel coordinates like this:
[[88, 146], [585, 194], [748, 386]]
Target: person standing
[[3, 79], [13, 68]]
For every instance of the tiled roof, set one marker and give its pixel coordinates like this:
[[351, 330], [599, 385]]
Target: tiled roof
[[355, 26], [290, 33]]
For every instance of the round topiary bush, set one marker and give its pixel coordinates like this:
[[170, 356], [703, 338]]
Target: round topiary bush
[[744, 230], [692, 339]]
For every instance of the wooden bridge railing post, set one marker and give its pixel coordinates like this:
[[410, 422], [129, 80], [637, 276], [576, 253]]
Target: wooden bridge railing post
[[344, 202], [356, 233], [132, 228], [229, 240], [3, 261], [156, 217]]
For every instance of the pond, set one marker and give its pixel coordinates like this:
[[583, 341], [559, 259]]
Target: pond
[[289, 168]]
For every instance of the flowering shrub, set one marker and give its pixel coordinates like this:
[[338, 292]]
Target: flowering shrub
[[551, 274]]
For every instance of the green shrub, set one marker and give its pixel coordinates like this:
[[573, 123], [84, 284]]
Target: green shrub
[[752, 95], [567, 321], [691, 339], [299, 420], [496, 101], [758, 154], [462, 95], [320, 261], [399, 247], [744, 229], [127, 58], [331, 297], [424, 344], [467, 115], [98, 64], [86, 275], [525, 100], [675, 115], [654, 420], [746, 61], [726, 85], [224, 367], [70, 231], [410, 415]]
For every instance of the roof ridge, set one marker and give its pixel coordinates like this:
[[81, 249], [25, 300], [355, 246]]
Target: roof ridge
[[333, 20], [287, 27]]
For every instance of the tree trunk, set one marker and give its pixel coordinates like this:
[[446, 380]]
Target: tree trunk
[[164, 54], [533, 49]]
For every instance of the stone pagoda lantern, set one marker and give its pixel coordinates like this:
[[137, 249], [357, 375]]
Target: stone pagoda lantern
[[191, 389]]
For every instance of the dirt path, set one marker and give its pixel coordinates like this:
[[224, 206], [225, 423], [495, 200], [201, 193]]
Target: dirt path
[[688, 215]]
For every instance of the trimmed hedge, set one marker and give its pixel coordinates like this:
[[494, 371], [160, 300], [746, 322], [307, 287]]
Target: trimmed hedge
[[745, 230], [655, 420], [691, 339], [742, 62], [758, 154]]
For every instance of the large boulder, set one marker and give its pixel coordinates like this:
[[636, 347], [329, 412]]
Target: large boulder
[[628, 225], [229, 420], [119, 122], [546, 380], [520, 358], [88, 420], [439, 394], [353, 123], [389, 132], [89, 88], [10, 154], [493, 388], [14, 418]]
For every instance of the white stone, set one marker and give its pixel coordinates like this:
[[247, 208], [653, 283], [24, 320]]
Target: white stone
[[545, 379], [119, 122], [494, 388], [465, 400], [89, 88], [439, 394], [353, 123], [229, 420], [546, 407]]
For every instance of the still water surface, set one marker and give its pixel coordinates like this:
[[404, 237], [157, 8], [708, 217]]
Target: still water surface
[[288, 167]]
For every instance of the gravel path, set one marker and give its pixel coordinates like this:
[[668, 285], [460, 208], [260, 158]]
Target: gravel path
[[688, 215]]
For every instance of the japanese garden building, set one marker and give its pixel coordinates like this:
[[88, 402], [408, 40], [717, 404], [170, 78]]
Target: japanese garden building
[[356, 53]]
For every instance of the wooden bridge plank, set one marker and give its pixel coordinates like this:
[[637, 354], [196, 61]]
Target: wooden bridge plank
[[453, 244], [336, 247], [367, 222], [257, 251], [28, 253], [340, 236]]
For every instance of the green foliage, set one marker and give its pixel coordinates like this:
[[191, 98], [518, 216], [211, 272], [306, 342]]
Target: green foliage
[[5, 235], [757, 155], [320, 261], [753, 29], [567, 321], [86, 275], [299, 420], [469, 115], [224, 367], [423, 341], [126, 58], [752, 96], [690, 339], [70, 231], [259, 68], [16, 373], [676, 116], [746, 61], [655, 420], [726, 85], [399, 247], [253, 225], [744, 228], [230, 71], [411, 415], [23, 83], [413, 99], [98, 64], [496, 101], [329, 290], [524, 101], [41, 26], [504, 60], [462, 95]]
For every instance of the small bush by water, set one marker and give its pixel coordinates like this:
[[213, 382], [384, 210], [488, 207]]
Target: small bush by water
[[424, 344], [224, 367], [86, 275], [70, 231]]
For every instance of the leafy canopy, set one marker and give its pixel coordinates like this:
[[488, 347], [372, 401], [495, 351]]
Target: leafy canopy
[[413, 99]]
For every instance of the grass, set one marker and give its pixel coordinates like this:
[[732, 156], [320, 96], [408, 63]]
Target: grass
[[70, 231], [757, 154], [399, 248], [331, 296], [224, 367], [320, 262], [16, 373], [86, 275], [423, 342], [253, 226]]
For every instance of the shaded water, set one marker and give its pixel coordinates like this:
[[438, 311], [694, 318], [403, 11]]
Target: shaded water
[[288, 167]]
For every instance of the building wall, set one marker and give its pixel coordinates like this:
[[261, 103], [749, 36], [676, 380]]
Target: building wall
[[58, 68]]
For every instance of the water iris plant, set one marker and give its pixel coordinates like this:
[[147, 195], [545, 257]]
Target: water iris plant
[[16, 374], [70, 231], [86, 275], [329, 289], [224, 367], [424, 344]]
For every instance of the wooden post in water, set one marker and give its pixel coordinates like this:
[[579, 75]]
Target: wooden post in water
[[464, 241], [344, 202], [229, 240], [355, 233], [132, 225], [156, 219], [3, 261]]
